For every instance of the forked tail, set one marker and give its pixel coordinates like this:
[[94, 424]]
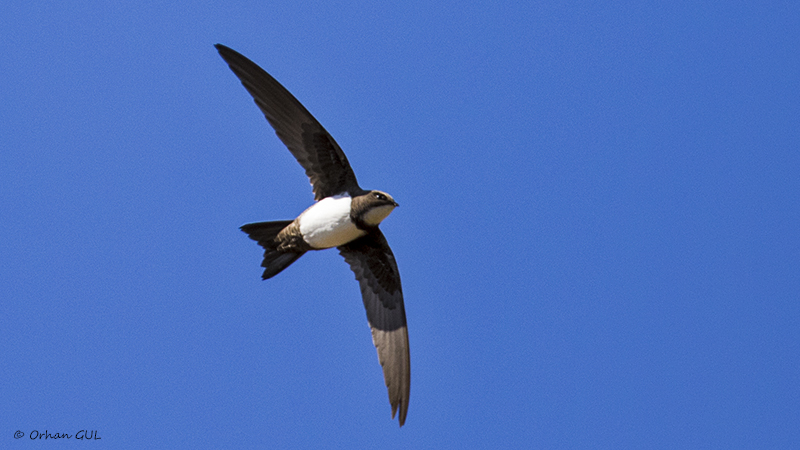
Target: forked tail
[[274, 260]]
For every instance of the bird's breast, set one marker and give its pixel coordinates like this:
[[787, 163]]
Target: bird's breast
[[327, 223]]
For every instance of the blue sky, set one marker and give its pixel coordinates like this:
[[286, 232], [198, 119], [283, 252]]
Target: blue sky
[[598, 232]]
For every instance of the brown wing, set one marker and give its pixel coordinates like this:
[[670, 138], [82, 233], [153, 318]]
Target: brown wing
[[324, 162], [372, 261]]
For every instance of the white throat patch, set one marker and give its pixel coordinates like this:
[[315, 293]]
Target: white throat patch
[[374, 216], [327, 223]]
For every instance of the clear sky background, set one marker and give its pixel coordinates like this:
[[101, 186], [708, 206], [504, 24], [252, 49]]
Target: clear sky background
[[599, 230]]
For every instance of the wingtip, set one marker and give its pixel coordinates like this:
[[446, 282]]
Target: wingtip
[[402, 420], [403, 413], [224, 50]]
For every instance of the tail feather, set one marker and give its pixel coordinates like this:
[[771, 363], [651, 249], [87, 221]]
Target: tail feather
[[274, 260]]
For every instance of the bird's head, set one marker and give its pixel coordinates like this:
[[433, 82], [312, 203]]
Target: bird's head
[[374, 206]]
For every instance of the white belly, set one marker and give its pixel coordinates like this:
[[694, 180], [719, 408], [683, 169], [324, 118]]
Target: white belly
[[327, 223]]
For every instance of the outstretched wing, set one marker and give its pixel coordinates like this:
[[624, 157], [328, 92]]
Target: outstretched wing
[[324, 162], [372, 261]]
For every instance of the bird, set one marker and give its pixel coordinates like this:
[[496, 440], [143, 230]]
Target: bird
[[344, 216]]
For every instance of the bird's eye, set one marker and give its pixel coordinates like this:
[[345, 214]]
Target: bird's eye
[[380, 196]]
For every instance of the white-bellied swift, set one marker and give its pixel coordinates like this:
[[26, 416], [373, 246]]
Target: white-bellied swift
[[344, 216]]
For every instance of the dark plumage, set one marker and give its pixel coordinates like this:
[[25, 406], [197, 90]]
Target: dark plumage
[[345, 216]]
